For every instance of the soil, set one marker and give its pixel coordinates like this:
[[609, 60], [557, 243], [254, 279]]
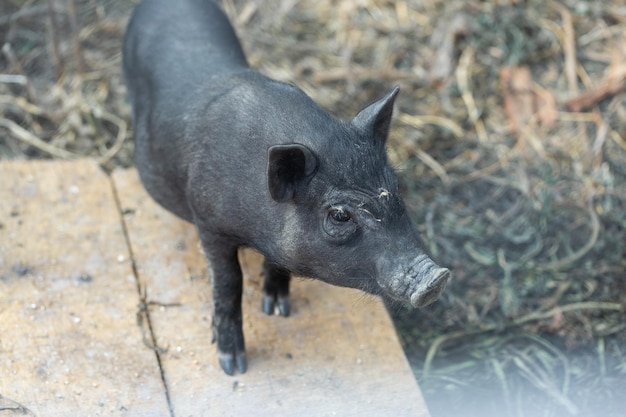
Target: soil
[[509, 138]]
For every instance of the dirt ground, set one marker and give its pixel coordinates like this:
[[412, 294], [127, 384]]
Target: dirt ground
[[509, 138]]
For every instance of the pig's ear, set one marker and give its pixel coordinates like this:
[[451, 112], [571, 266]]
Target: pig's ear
[[376, 118], [289, 168]]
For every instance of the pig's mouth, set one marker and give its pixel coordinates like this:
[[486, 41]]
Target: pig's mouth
[[421, 284]]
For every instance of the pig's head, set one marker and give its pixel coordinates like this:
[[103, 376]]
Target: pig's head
[[343, 219]]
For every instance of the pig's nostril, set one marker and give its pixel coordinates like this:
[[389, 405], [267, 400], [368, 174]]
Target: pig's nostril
[[438, 275], [432, 287]]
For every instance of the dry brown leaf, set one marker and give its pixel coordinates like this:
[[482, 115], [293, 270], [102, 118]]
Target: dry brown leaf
[[516, 84], [545, 104], [523, 99], [613, 82]]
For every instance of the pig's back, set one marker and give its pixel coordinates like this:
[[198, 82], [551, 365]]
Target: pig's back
[[174, 46], [176, 52]]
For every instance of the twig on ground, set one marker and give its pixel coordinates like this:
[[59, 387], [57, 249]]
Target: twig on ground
[[13, 79], [570, 259], [54, 40], [74, 26], [535, 316], [419, 121], [533, 370], [463, 80], [143, 316], [613, 82], [22, 103], [120, 139], [7, 51], [431, 163], [568, 41], [24, 135]]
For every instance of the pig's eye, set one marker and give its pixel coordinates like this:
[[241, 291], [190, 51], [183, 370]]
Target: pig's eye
[[339, 215], [339, 224]]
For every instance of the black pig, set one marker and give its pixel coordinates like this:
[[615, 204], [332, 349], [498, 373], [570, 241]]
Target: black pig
[[255, 162]]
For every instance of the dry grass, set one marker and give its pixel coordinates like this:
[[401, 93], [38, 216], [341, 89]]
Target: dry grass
[[510, 139]]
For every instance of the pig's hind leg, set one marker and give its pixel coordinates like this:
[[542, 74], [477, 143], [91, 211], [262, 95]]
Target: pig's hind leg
[[275, 289]]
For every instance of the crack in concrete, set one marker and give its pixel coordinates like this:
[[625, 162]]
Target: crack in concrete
[[143, 311]]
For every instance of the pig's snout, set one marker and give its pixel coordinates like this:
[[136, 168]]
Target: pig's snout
[[430, 288], [421, 284]]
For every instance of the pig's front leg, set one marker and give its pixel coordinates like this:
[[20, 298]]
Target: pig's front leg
[[275, 289], [227, 284]]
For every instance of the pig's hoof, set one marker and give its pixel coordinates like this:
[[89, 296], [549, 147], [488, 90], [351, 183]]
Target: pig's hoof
[[228, 361], [273, 302]]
